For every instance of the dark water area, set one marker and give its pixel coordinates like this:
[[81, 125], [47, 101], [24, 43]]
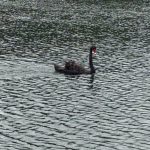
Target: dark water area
[[41, 109]]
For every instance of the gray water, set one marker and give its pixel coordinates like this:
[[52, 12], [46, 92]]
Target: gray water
[[41, 109]]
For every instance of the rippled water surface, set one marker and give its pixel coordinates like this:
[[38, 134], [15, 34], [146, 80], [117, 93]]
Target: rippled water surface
[[41, 109]]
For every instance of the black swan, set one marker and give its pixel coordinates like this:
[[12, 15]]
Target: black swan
[[73, 68]]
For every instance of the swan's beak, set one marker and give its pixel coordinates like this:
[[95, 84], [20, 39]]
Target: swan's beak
[[94, 53]]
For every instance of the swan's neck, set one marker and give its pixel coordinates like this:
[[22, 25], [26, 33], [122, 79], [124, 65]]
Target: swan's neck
[[91, 63]]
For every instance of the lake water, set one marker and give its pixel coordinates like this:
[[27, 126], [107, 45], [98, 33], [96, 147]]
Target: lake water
[[41, 109]]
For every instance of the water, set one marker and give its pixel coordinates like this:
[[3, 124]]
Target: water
[[41, 109]]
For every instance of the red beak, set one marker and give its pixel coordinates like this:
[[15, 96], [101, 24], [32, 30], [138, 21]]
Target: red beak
[[94, 51]]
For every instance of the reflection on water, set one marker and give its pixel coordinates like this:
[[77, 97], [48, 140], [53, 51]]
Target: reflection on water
[[42, 109]]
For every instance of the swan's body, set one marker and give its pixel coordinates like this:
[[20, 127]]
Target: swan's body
[[73, 68]]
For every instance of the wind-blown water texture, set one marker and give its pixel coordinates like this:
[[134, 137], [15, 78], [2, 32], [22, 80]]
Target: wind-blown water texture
[[41, 109]]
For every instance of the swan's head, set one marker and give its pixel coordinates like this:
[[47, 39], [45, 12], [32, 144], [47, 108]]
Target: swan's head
[[93, 50]]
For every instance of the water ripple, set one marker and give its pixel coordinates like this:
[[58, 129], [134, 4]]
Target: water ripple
[[41, 109]]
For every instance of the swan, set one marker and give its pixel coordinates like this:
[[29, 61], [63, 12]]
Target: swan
[[73, 68]]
